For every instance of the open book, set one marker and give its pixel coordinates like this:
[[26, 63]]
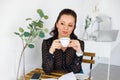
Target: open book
[[68, 76]]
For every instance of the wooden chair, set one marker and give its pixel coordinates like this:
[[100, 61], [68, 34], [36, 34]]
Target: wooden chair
[[88, 58], [56, 74]]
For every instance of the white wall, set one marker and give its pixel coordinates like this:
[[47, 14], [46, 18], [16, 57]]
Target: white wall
[[13, 14]]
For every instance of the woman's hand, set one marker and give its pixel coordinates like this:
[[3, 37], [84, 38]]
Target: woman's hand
[[75, 44], [55, 45]]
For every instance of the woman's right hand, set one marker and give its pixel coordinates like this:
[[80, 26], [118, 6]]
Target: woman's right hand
[[55, 45]]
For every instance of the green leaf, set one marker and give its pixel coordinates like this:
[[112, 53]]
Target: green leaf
[[45, 17], [40, 24], [40, 12], [21, 29], [31, 46], [34, 23], [28, 19], [16, 33], [46, 30], [34, 33], [31, 26], [26, 34], [22, 35], [41, 34]]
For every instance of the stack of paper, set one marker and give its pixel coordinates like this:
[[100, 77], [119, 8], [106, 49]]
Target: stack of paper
[[68, 76]]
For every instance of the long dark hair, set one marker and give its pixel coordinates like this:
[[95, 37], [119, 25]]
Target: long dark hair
[[54, 32]]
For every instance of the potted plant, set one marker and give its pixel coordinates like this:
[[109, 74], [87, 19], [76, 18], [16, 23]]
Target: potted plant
[[35, 28], [88, 21]]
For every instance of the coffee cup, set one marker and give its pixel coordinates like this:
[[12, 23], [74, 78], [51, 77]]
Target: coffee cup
[[65, 41]]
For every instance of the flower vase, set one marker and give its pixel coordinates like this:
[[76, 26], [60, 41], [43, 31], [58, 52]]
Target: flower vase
[[85, 35], [21, 67]]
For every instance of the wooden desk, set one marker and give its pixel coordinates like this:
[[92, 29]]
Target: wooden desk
[[54, 74]]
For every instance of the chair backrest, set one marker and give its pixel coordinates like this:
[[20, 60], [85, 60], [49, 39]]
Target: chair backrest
[[88, 58], [88, 54]]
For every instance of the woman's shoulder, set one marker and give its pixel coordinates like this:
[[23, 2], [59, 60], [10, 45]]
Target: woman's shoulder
[[48, 39], [81, 41], [47, 42]]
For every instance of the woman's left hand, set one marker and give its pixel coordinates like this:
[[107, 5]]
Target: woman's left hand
[[75, 44]]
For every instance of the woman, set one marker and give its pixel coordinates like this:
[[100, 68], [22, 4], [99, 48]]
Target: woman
[[57, 57]]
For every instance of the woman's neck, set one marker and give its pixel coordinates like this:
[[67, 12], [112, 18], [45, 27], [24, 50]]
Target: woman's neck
[[63, 36], [64, 49]]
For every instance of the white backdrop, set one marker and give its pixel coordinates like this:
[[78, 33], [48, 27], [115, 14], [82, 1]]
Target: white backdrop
[[13, 14]]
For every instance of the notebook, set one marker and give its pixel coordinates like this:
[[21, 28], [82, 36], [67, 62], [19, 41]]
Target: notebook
[[107, 35]]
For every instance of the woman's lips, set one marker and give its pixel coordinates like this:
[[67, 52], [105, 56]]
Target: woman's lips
[[65, 32]]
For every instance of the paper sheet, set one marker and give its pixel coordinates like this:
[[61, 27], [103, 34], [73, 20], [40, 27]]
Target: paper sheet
[[68, 76]]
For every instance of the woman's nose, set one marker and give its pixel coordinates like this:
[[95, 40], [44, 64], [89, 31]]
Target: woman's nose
[[65, 27]]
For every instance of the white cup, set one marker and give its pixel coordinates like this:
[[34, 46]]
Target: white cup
[[65, 41]]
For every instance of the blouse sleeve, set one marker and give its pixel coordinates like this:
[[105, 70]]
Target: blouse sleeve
[[75, 66], [47, 58]]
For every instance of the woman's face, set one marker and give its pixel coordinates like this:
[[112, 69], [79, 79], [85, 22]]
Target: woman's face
[[65, 25]]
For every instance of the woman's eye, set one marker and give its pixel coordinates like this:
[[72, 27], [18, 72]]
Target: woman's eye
[[70, 25], [62, 23]]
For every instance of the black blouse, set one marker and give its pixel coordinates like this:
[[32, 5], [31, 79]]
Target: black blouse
[[67, 61]]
